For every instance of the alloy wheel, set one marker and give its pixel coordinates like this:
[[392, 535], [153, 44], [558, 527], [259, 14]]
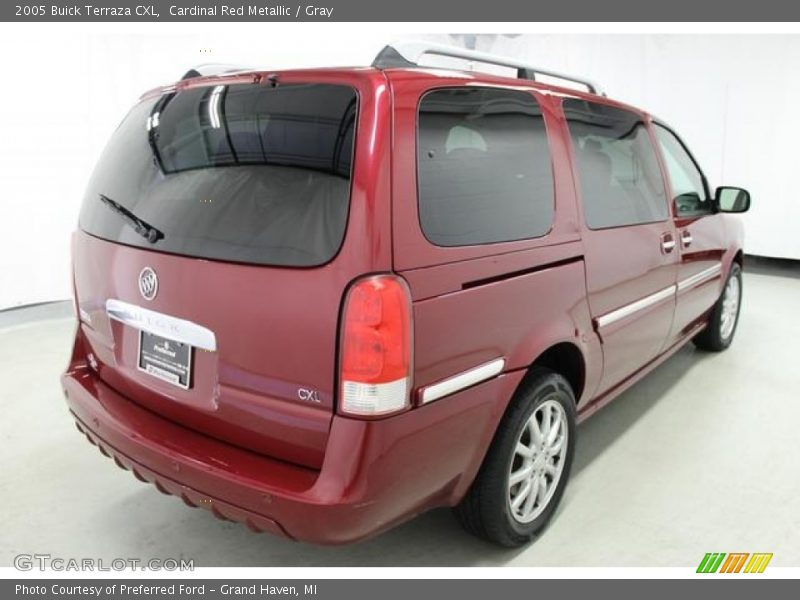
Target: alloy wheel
[[538, 461], [730, 308]]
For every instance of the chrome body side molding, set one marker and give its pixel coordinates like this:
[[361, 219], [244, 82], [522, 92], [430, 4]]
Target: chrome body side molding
[[463, 380], [700, 277], [634, 307], [648, 301]]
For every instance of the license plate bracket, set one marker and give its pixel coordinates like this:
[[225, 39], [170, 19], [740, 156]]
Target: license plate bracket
[[165, 359]]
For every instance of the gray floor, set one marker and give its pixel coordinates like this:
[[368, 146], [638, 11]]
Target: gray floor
[[701, 456]]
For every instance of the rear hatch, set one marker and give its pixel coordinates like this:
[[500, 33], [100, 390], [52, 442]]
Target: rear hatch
[[206, 267]]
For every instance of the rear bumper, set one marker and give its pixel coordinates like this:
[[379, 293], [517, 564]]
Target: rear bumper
[[375, 473]]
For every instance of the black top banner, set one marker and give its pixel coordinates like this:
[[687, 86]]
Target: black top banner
[[406, 10]]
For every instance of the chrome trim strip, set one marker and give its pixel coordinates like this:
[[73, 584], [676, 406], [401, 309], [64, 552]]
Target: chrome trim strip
[[160, 324], [700, 277], [633, 307], [462, 381]]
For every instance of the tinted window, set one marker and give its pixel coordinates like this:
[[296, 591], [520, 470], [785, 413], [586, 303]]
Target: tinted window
[[242, 173], [688, 186], [620, 179], [484, 168]]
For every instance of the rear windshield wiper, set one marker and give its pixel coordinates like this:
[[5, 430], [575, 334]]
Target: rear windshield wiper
[[143, 228]]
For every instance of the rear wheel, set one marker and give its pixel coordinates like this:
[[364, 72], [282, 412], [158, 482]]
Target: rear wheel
[[724, 317], [526, 469]]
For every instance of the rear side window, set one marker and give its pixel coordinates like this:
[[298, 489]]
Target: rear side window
[[243, 173], [620, 180], [484, 168]]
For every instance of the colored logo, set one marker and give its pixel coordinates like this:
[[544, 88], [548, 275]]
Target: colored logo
[[734, 562]]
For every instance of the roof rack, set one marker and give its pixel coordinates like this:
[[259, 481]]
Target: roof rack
[[406, 54], [211, 69]]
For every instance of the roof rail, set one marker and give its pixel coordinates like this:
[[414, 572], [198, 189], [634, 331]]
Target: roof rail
[[407, 53], [211, 69]]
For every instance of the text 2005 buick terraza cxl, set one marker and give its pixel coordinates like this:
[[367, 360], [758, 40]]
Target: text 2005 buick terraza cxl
[[320, 302]]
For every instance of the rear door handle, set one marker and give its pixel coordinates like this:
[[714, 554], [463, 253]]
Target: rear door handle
[[667, 243], [686, 238]]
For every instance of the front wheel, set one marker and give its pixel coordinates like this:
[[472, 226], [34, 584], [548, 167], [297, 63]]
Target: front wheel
[[526, 469], [718, 334]]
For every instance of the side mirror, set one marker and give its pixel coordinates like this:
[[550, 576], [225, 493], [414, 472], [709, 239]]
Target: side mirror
[[732, 199]]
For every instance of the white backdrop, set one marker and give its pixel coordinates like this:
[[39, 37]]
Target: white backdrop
[[732, 97]]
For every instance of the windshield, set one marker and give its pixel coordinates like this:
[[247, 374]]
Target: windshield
[[242, 173]]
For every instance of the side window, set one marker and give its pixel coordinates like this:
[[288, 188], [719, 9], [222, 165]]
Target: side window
[[620, 180], [688, 186], [484, 169]]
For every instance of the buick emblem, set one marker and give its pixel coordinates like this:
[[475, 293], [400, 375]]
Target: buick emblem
[[148, 283]]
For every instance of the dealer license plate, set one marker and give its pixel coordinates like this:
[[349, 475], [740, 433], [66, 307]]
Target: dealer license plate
[[165, 359]]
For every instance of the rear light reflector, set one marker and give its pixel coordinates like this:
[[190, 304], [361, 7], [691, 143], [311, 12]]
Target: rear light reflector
[[375, 357]]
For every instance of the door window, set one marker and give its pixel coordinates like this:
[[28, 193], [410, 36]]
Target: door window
[[688, 184], [620, 181]]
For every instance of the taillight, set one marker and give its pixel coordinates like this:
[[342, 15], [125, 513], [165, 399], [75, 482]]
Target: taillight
[[375, 358]]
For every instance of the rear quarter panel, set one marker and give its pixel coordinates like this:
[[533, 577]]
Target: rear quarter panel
[[516, 319]]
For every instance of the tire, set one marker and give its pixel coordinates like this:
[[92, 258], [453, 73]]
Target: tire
[[486, 511], [719, 332]]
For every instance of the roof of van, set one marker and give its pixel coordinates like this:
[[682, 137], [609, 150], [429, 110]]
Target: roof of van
[[402, 57], [408, 54]]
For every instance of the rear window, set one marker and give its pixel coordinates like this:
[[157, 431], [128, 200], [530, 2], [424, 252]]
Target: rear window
[[484, 168], [242, 173]]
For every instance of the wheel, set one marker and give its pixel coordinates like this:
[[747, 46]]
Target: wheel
[[527, 466], [718, 335]]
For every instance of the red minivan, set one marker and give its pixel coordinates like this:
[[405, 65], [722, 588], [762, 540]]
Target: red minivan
[[320, 302]]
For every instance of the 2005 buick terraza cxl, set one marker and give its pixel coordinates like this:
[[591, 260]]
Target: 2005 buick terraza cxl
[[323, 301]]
